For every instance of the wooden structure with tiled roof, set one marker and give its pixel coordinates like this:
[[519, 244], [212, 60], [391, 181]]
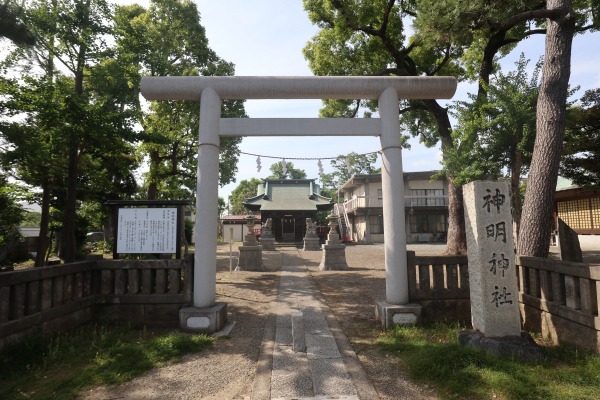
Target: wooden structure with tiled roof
[[288, 202], [578, 207]]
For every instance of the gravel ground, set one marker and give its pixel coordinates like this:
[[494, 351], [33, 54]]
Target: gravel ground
[[226, 371]]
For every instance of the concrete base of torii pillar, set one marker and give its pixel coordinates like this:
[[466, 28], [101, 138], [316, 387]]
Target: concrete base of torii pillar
[[203, 320]]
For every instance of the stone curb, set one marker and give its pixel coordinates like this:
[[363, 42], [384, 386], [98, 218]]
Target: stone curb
[[362, 383], [261, 388]]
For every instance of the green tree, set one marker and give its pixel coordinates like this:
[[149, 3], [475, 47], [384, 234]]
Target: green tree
[[451, 38], [581, 153], [354, 164], [368, 38], [486, 31], [329, 185], [31, 218], [11, 213], [496, 133], [37, 141], [74, 34], [243, 191], [550, 127], [36, 154], [12, 23], [290, 172], [168, 39], [345, 166], [71, 138]]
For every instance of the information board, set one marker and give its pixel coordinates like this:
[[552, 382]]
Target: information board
[[147, 230]]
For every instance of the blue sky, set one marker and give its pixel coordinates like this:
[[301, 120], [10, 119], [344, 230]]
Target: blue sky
[[266, 37]]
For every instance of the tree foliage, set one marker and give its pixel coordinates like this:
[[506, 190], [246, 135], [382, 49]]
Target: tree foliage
[[13, 25], [72, 123], [11, 213], [168, 39], [462, 39], [69, 129], [244, 190], [494, 135], [344, 167], [368, 38], [291, 172], [550, 126], [581, 153]]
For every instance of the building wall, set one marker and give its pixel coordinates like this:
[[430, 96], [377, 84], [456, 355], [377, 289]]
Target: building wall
[[439, 184], [582, 215], [373, 190]]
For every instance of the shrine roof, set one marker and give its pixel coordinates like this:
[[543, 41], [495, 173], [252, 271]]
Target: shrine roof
[[237, 219], [289, 195]]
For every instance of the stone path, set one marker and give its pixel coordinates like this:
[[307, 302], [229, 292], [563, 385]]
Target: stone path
[[328, 369]]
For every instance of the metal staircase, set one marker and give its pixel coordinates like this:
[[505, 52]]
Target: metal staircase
[[344, 222]]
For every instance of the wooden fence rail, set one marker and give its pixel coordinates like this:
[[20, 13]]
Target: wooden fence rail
[[560, 300], [441, 285], [49, 298]]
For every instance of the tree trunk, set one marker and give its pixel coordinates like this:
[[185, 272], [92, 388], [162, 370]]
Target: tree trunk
[[152, 192], [70, 241], [42, 246], [457, 238], [515, 193], [70, 245], [550, 128]]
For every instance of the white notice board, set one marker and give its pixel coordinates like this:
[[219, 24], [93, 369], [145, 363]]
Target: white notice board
[[147, 230]]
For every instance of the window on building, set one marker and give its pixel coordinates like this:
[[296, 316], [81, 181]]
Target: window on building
[[376, 223], [427, 197], [379, 194], [428, 223], [580, 214]]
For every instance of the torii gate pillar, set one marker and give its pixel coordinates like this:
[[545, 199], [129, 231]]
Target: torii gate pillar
[[208, 316], [395, 309]]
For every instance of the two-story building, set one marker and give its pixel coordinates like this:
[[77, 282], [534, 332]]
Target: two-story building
[[425, 205]]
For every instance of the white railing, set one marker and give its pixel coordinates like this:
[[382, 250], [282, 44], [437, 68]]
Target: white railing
[[409, 201], [362, 202]]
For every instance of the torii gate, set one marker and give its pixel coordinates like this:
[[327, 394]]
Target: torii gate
[[209, 316]]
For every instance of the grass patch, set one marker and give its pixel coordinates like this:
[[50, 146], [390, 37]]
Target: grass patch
[[433, 356], [66, 364]]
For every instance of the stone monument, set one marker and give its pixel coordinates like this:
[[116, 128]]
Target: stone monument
[[250, 258], [568, 243], [267, 241], [334, 252], [311, 239], [492, 272]]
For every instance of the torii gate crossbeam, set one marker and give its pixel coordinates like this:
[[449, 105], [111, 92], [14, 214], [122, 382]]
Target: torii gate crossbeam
[[211, 90]]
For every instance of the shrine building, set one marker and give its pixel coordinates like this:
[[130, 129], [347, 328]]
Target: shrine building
[[288, 202]]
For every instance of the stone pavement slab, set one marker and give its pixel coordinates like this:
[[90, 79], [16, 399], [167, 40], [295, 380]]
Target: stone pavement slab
[[319, 373]]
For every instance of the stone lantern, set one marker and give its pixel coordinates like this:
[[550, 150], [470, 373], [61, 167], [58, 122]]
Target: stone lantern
[[334, 252], [250, 258]]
